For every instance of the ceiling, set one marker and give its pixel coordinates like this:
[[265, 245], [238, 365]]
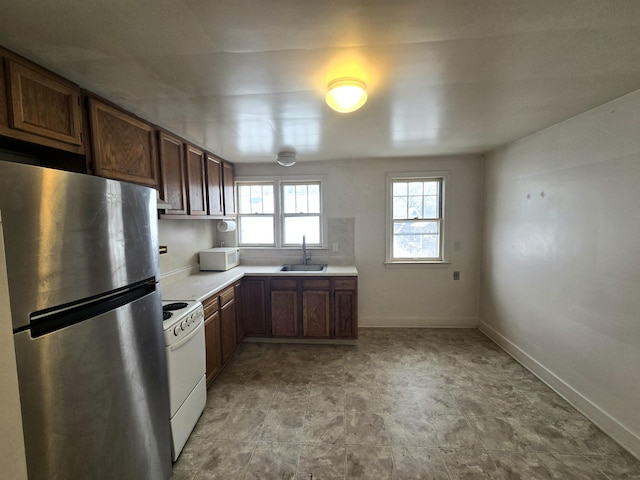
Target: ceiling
[[246, 78]]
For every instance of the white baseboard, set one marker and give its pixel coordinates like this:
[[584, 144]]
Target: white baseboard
[[612, 427], [411, 322]]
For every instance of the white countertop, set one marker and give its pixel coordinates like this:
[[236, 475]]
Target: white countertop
[[203, 284]]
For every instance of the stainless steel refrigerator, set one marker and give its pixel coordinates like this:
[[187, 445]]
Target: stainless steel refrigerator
[[82, 269]]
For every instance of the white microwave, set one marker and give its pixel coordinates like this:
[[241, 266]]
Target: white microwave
[[219, 259]]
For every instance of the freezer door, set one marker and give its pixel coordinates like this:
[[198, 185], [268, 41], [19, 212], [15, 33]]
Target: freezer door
[[94, 397], [70, 236]]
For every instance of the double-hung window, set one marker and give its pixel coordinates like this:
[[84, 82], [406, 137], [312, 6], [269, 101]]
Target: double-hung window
[[301, 213], [415, 219], [256, 214], [278, 213]]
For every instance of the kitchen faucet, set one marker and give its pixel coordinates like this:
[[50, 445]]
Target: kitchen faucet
[[305, 257]]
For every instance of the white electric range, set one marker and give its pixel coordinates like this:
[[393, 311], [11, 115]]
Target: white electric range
[[186, 365]]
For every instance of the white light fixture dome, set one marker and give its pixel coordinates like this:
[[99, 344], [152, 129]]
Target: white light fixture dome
[[286, 158], [346, 94]]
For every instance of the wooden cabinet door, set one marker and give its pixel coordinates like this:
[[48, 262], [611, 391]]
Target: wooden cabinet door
[[228, 189], [316, 313], [172, 173], [196, 182], [228, 330], [214, 186], [284, 313], [212, 342], [124, 147], [252, 313], [44, 108], [345, 307]]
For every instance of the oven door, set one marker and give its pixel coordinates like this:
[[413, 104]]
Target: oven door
[[186, 363]]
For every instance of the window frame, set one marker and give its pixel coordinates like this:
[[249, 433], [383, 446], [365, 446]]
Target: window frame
[[444, 178], [256, 215], [279, 215]]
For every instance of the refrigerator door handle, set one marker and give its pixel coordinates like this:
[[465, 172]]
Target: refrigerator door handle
[[51, 320]]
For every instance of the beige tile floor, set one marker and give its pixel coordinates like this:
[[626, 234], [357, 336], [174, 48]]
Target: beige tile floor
[[432, 404]]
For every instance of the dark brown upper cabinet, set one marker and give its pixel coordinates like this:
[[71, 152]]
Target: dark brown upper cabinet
[[38, 106], [124, 146], [172, 173], [214, 186], [228, 189], [196, 180]]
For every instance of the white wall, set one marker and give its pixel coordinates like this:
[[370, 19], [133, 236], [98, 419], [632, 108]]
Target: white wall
[[402, 296], [184, 239], [561, 260]]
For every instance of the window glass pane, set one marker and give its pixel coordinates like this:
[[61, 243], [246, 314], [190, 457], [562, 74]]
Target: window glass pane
[[416, 246], [399, 207], [431, 187], [399, 189], [301, 199], [415, 207], [244, 193], [423, 227], [267, 199], [256, 230], [431, 207], [314, 198], [256, 199], [416, 240], [289, 198], [415, 188], [296, 227]]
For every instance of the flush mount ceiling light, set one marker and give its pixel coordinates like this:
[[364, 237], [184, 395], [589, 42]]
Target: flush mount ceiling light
[[286, 158], [346, 94]]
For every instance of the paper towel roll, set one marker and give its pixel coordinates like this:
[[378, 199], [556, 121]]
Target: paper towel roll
[[226, 225]]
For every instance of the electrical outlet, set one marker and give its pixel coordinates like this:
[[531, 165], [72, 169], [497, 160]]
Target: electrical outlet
[[456, 275], [335, 247]]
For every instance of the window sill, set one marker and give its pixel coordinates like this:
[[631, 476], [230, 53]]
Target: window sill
[[416, 263]]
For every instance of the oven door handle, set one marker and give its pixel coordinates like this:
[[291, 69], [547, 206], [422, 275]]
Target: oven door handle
[[184, 340]]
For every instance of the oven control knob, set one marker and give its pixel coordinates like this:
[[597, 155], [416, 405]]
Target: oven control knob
[[184, 324], [176, 330]]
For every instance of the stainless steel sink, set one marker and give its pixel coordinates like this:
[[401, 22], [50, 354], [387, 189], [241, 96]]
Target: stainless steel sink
[[303, 268]]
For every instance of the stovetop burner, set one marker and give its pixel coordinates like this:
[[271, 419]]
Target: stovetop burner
[[174, 306], [166, 315]]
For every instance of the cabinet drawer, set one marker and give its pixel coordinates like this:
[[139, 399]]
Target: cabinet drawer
[[346, 283], [226, 295], [210, 305], [284, 284], [316, 284]]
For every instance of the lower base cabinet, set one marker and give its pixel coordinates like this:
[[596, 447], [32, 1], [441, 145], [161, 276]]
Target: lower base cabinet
[[299, 307], [228, 335], [345, 307], [220, 330], [252, 312], [212, 338], [316, 309], [284, 313]]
